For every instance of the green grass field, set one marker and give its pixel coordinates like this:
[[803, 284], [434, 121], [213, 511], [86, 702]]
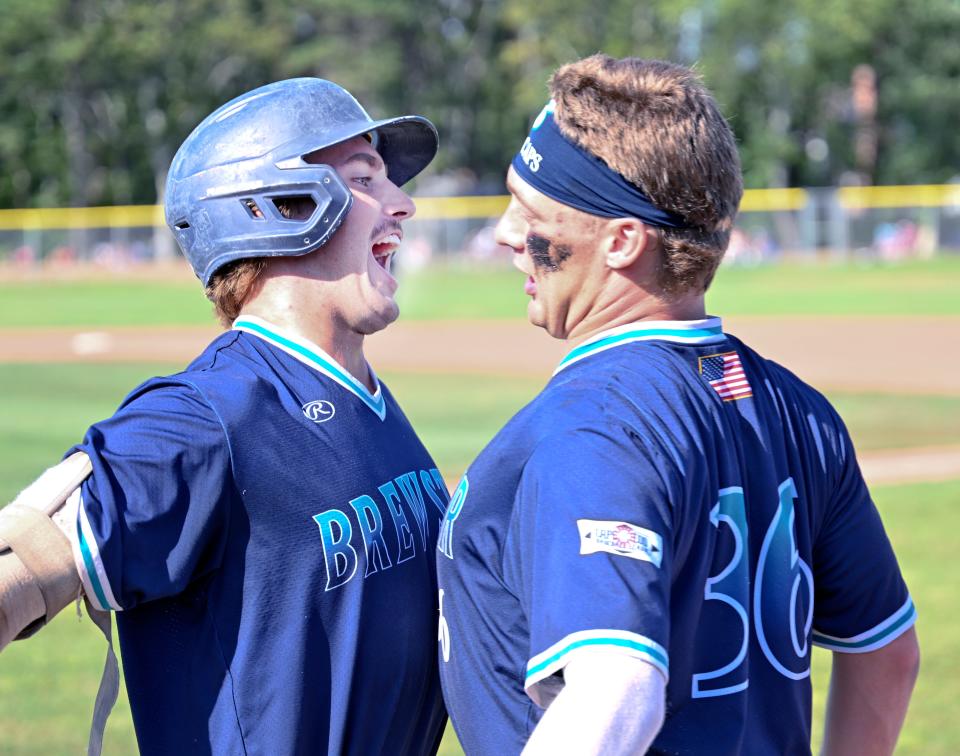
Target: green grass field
[[825, 288], [47, 684], [462, 292]]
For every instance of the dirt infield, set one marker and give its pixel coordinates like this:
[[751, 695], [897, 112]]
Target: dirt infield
[[885, 355], [890, 355]]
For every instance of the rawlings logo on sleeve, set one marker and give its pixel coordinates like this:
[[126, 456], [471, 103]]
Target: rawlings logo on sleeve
[[621, 539]]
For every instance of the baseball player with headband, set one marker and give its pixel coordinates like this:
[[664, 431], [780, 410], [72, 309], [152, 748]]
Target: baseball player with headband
[[644, 555], [264, 522]]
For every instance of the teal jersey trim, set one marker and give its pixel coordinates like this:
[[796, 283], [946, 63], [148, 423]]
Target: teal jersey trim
[[708, 331], [888, 630], [545, 664], [91, 569], [319, 360]]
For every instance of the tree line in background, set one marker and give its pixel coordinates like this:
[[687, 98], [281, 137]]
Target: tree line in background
[[96, 95]]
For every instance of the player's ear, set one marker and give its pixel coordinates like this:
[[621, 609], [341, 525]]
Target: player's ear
[[623, 241]]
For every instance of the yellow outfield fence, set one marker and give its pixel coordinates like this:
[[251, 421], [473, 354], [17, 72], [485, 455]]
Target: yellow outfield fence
[[459, 208], [883, 220], [875, 197], [119, 216]]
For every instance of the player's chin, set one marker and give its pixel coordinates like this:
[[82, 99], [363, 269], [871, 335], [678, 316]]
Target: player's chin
[[390, 313], [379, 315], [539, 316], [536, 315]]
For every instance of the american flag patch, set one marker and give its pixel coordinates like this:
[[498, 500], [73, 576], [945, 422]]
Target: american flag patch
[[725, 373]]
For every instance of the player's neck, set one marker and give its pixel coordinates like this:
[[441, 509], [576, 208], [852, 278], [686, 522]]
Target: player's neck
[[319, 327], [346, 347], [636, 307]]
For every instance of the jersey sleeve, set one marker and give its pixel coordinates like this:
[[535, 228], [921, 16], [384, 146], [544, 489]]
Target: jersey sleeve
[[589, 548], [153, 514], [861, 602]]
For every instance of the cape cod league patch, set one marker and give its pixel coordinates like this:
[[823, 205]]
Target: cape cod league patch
[[620, 538]]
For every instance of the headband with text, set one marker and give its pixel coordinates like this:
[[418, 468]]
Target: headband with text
[[558, 168]]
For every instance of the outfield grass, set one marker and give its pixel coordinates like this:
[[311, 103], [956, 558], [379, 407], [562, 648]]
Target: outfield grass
[[47, 684], [886, 421], [446, 292], [832, 288], [922, 521], [823, 288], [109, 302]]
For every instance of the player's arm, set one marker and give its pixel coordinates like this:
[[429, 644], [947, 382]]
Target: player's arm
[[142, 511], [590, 558], [868, 698], [610, 704], [863, 614], [38, 574]]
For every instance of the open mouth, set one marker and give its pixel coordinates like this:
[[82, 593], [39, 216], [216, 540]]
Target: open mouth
[[384, 249]]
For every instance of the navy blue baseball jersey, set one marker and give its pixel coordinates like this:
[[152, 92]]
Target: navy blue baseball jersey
[[267, 527], [673, 496]]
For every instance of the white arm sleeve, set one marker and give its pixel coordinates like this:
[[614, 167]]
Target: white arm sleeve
[[610, 704]]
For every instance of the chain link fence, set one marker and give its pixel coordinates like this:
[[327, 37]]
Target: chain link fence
[[882, 223]]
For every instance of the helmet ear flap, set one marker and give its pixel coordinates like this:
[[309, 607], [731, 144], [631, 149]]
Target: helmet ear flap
[[294, 212]]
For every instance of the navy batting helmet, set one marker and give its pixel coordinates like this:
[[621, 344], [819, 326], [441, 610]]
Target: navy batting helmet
[[226, 178]]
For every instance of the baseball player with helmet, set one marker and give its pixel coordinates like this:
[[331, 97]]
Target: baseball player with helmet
[[263, 522], [644, 555]]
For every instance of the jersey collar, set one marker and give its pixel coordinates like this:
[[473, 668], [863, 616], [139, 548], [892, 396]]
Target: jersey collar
[[705, 331], [310, 354]]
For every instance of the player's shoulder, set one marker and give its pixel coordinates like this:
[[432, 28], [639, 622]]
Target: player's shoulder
[[610, 396], [186, 391], [553, 411], [781, 382], [806, 408], [568, 402], [165, 417], [629, 382], [231, 356], [620, 401]]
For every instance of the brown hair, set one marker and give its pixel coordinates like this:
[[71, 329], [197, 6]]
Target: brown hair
[[232, 285], [657, 125]]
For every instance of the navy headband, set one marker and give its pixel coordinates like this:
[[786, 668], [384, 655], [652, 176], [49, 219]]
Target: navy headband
[[555, 166]]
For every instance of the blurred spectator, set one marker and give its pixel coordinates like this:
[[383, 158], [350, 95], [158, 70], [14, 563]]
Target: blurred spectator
[[24, 256], [751, 247], [482, 247], [62, 256], [895, 241]]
